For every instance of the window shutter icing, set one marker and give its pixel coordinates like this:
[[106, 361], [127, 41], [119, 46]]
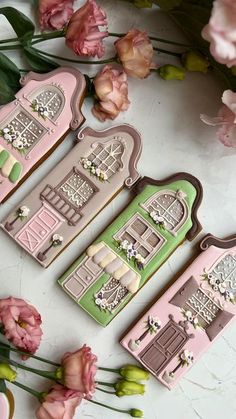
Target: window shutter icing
[[218, 324], [185, 292]]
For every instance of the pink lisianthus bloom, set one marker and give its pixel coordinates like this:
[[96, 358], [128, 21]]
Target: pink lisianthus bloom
[[54, 14], [83, 33], [79, 370], [112, 92], [21, 324], [226, 119], [221, 32], [59, 403], [135, 52]]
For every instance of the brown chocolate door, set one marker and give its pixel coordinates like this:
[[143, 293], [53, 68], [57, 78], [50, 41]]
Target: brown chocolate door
[[166, 344]]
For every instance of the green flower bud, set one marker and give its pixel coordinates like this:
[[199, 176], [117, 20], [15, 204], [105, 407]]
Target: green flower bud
[[136, 413], [7, 373], [194, 61], [134, 373], [128, 388], [143, 4], [171, 72]]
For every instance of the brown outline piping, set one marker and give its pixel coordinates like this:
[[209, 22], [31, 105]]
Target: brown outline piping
[[137, 148], [210, 240], [77, 96], [196, 227]]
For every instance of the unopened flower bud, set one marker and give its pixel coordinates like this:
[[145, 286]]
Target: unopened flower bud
[[233, 70], [134, 373], [194, 61], [171, 72], [128, 388], [136, 413], [7, 373], [143, 4]]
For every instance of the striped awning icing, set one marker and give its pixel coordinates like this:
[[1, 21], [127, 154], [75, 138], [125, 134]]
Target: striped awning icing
[[112, 264]]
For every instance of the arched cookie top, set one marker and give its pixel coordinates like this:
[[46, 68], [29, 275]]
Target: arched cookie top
[[132, 143], [210, 240], [196, 226], [76, 96]]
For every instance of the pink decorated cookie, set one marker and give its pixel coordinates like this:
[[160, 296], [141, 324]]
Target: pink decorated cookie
[[6, 405], [73, 193], [31, 126], [190, 315]]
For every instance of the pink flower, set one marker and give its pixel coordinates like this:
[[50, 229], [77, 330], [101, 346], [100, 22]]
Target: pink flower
[[112, 91], [79, 371], [21, 323], [54, 14], [221, 32], [135, 52], [59, 403], [83, 34], [226, 119]]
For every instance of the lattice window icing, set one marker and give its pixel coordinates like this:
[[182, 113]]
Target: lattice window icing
[[76, 190], [111, 295], [24, 130], [52, 100], [170, 206], [142, 235], [203, 307], [225, 272], [107, 158]]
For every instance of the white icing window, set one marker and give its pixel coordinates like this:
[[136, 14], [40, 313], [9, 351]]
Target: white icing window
[[110, 295], [171, 206], [108, 158], [22, 131], [224, 274], [51, 99], [76, 190], [146, 240], [203, 307]]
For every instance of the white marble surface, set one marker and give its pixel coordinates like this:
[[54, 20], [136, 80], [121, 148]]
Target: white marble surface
[[174, 139]]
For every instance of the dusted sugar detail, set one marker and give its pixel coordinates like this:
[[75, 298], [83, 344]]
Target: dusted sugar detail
[[31, 126], [131, 249], [73, 193], [187, 318]]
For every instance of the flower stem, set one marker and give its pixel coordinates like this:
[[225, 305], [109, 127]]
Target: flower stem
[[109, 369], [109, 407], [48, 36], [153, 38], [48, 374], [102, 383], [28, 389], [32, 356], [47, 54], [105, 391], [164, 51]]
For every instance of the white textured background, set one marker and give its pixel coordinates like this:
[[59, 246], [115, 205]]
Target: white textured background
[[174, 139]]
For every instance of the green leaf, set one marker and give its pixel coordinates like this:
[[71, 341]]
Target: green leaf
[[5, 351], [22, 25], [167, 5], [11, 72], [3, 387], [38, 62], [6, 93]]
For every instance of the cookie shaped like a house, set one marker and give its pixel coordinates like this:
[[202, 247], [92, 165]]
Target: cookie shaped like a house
[[190, 315], [31, 126], [70, 196], [131, 249]]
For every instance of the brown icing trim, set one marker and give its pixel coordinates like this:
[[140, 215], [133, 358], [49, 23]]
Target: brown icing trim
[[133, 173], [210, 240], [77, 97], [196, 227]]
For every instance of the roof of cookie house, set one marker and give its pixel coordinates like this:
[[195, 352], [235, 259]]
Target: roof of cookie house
[[196, 226], [210, 240], [77, 93]]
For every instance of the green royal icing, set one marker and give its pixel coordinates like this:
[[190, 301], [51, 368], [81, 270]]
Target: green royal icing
[[171, 243], [15, 172], [3, 157]]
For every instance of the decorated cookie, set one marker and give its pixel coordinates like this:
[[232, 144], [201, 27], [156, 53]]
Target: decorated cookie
[[6, 405], [70, 196], [130, 250], [189, 316], [36, 122]]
